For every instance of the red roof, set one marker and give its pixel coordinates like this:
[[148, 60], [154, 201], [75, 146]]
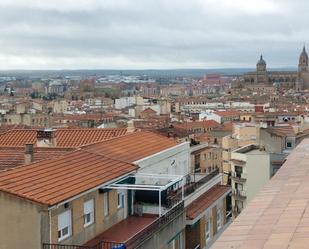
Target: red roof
[[11, 157], [133, 146], [65, 137], [55, 180], [227, 113], [197, 124], [205, 201], [148, 111]]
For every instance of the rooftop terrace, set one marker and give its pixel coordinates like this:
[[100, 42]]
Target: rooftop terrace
[[278, 217]]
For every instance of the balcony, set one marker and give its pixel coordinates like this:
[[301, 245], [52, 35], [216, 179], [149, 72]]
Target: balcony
[[236, 211], [101, 245], [198, 184], [239, 176], [130, 233], [242, 194]]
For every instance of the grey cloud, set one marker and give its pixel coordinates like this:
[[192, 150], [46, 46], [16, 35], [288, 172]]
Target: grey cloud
[[146, 34]]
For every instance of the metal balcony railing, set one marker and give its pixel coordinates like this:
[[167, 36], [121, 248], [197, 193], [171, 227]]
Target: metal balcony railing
[[100, 245], [192, 186], [134, 241], [240, 193], [238, 175], [155, 226]]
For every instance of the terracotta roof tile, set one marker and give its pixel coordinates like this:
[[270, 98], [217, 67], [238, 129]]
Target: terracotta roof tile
[[134, 146], [55, 180], [11, 157], [227, 113], [205, 201], [197, 124], [65, 137], [148, 111], [278, 216]]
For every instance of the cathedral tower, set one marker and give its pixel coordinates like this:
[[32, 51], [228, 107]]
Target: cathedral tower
[[261, 72], [303, 61], [303, 72]]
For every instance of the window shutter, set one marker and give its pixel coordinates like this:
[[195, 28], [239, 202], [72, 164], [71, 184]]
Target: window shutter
[[64, 219], [88, 207]]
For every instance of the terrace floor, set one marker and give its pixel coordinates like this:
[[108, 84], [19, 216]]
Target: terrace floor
[[278, 216], [124, 230]]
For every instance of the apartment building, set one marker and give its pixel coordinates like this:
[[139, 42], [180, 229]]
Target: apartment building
[[250, 170], [221, 116], [34, 120], [204, 196], [134, 191], [228, 145], [205, 159], [242, 134], [86, 198], [207, 201], [58, 200]]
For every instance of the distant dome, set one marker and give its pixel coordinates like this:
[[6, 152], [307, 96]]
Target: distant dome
[[261, 61]]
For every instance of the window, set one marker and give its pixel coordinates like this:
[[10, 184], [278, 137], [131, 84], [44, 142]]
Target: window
[[218, 219], [289, 144], [106, 204], [120, 199], [88, 213], [207, 230], [64, 225]]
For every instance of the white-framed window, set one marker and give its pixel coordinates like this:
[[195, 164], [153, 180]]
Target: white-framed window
[[88, 212], [120, 199], [106, 204], [64, 225], [208, 230], [219, 219]]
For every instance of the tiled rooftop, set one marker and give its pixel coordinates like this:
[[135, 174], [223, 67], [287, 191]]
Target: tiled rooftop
[[205, 201], [197, 124], [65, 137], [11, 157], [278, 217], [281, 131], [227, 113], [133, 146], [52, 181]]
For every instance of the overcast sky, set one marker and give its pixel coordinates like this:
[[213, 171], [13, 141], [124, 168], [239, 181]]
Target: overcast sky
[[140, 34]]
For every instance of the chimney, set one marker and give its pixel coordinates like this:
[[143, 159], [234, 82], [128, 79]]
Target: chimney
[[130, 127], [28, 153], [46, 138]]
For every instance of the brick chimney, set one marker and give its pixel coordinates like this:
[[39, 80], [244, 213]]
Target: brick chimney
[[46, 138], [28, 153]]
